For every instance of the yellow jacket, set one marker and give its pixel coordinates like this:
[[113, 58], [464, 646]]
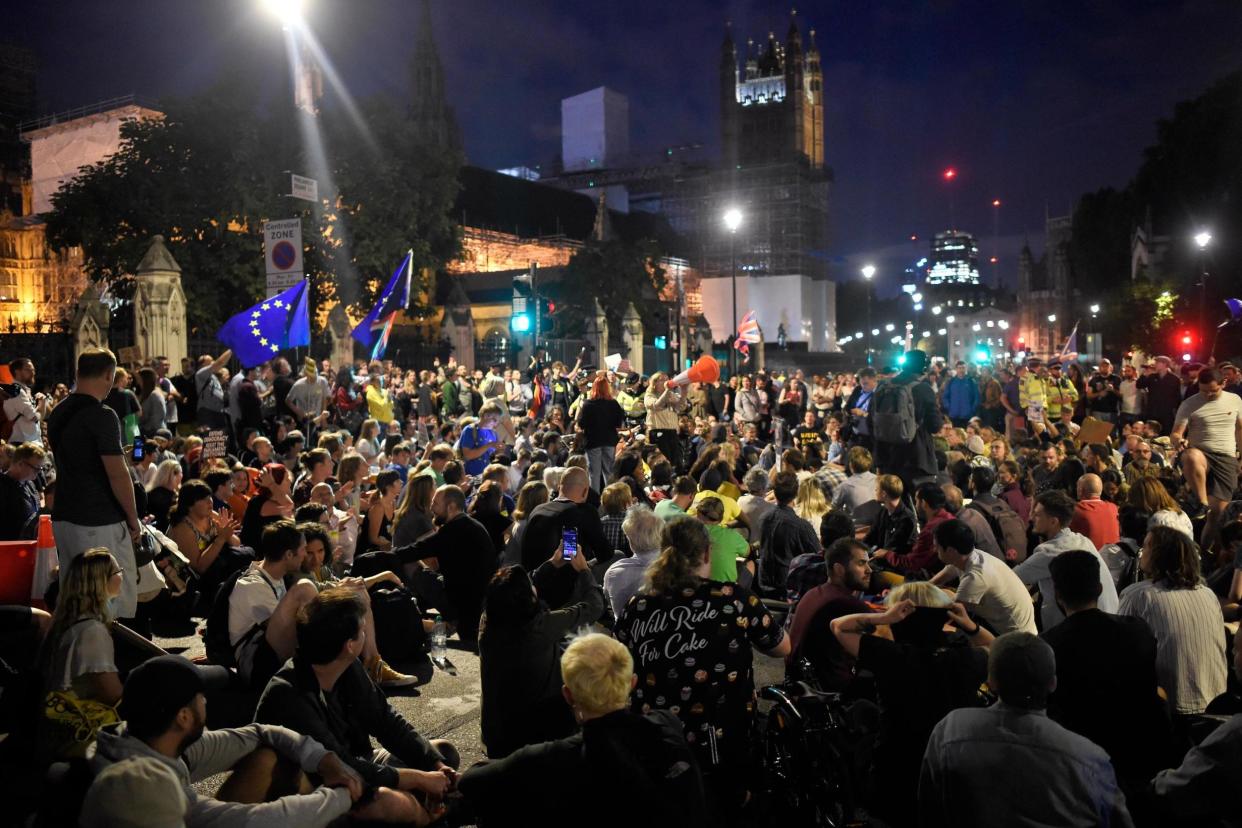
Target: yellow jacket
[[1031, 391], [1061, 395]]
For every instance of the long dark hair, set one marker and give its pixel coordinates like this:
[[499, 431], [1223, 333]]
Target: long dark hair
[[487, 499], [1174, 558], [510, 600]]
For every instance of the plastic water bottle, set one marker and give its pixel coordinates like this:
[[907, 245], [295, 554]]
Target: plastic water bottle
[[439, 639]]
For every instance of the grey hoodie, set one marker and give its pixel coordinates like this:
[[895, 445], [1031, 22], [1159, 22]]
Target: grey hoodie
[[216, 752]]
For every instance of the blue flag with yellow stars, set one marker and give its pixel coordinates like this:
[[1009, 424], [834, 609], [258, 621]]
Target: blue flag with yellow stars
[[260, 333]]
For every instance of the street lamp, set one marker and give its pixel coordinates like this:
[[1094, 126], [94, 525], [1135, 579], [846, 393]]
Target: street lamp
[[732, 221], [1095, 309], [1202, 239], [868, 272], [288, 12], [1052, 320]]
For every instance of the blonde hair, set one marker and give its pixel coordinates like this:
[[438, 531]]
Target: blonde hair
[[348, 468], [164, 474], [598, 671], [810, 504], [922, 593], [83, 594], [615, 498]]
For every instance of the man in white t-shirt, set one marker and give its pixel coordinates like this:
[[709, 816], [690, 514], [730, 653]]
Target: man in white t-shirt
[[986, 585], [1208, 430], [262, 612]]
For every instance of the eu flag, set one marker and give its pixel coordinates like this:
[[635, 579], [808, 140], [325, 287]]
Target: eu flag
[[259, 333], [373, 330]]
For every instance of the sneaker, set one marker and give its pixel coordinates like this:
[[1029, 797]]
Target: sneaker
[[386, 677], [1195, 510]]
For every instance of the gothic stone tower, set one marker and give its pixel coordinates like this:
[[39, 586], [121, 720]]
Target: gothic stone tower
[[774, 110], [431, 117]]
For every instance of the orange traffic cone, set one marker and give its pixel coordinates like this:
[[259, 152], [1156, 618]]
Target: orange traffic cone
[[46, 562]]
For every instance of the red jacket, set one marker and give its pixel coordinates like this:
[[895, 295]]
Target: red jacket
[[1097, 519], [923, 554]]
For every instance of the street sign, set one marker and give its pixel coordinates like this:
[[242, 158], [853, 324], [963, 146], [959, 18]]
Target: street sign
[[304, 188], [282, 245]]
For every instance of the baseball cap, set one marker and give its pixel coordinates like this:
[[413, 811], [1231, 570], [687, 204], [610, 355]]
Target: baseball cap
[[1021, 668], [163, 434], [975, 445], [156, 689], [140, 792]]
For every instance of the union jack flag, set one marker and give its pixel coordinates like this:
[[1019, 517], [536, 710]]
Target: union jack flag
[[747, 334]]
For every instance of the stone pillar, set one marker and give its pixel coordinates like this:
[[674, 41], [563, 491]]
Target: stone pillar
[[597, 333], [632, 337], [756, 352], [457, 327], [159, 305], [339, 337], [91, 319]]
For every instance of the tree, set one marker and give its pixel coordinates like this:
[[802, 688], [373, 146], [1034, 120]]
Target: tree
[[617, 273], [208, 175]]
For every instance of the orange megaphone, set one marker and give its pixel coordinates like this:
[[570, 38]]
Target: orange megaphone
[[707, 369]]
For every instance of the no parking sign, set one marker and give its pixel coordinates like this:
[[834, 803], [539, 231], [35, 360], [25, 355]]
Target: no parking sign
[[282, 244]]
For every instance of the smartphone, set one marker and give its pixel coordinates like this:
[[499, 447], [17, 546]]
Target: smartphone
[[569, 543], [136, 454]]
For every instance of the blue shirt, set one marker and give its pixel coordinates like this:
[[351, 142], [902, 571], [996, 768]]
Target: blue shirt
[[474, 437]]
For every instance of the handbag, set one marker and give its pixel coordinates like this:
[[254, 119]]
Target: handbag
[[74, 722]]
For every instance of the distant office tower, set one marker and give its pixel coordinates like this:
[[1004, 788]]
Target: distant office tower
[[954, 259]]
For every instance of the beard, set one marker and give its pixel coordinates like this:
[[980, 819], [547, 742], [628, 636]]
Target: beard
[[438, 520], [193, 735]]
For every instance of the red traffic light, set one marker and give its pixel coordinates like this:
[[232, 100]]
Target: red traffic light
[[1187, 338], [551, 307], [950, 174]]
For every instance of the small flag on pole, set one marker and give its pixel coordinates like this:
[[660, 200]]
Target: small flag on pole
[[259, 333], [747, 335], [374, 329], [1070, 351]]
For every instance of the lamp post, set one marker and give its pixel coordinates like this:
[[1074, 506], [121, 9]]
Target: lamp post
[[733, 220], [868, 273], [1202, 239], [1052, 344]]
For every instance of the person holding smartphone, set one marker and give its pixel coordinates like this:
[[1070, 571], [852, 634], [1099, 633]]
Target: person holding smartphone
[[520, 646]]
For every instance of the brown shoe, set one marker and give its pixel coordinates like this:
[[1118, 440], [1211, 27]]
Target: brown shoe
[[386, 677]]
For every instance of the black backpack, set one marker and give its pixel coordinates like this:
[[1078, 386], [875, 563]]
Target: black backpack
[[216, 634], [892, 413], [399, 634], [1007, 526]]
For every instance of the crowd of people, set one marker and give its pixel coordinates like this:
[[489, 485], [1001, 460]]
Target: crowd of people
[[1024, 580]]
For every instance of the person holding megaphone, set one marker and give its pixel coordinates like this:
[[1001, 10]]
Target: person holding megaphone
[[664, 402]]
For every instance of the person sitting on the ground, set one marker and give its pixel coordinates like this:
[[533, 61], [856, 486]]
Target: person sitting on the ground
[[1009, 764], [165, 719], [929, 502], [810, 570], [1204, 786], [859, 488], [985, 537], [785, 536], [569, 509], [1093, 517], [810, 631], [1106, 673], [19, 499], [324, 692], [727, 544], [519, 644], [262, 612], [1186, 618], [643, 756], [895, 526], [682, 495], [624, 577], [920, 675], [1050, 519], [78, 659], [986, 586]]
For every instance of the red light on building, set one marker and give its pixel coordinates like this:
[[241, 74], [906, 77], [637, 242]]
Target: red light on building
[[914, 237], [996, 202], [950, 174], [993, 260]]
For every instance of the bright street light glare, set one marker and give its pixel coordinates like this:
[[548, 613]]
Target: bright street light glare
[[868, 271], [889, 327], [918, 306], [917, 297], [1203, 238], [875, 331], [1052, 317], [941, 332], [289, 11], [1095, 308], [733, 219], [937, 309]]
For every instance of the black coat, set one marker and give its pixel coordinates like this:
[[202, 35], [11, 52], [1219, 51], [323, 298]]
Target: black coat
[[917, 459]]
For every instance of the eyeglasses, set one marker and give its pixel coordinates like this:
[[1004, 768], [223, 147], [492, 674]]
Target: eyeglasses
[[116, 572]]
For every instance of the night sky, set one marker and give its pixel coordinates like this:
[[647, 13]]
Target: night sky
[[1033, 102]]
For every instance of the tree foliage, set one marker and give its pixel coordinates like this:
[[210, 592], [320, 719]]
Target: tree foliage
[[208, 175], [1189, 179], [617, 273]]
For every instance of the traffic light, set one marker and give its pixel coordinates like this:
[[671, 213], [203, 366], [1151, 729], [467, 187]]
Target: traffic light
[[519, 320], [982, 354], [661, 343], [547, 318]]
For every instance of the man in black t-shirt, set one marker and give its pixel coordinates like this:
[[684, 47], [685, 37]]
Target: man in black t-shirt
[[282, 383], [809, 438], [1104, 393], [95, 503]]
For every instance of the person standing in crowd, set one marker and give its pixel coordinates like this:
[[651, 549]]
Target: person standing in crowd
[[600, 420], [95, 505], [663, 402], [1207, 430], [1104, 393], [1163, 392], [21, 404], [913, 459], [960, 396], [209, 393]]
